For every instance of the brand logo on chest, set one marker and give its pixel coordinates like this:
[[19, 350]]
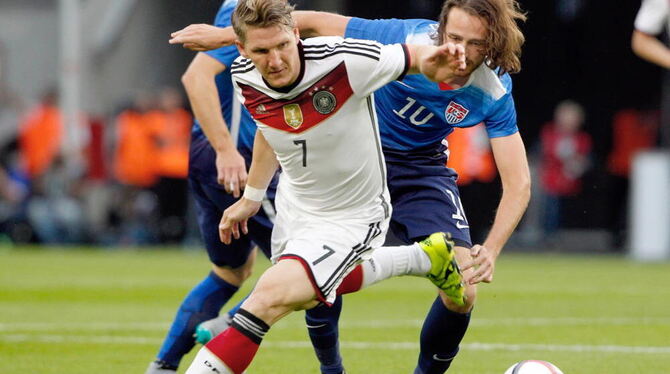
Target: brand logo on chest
[[455, 113]]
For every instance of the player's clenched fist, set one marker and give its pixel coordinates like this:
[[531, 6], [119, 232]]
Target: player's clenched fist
[[235, 219]]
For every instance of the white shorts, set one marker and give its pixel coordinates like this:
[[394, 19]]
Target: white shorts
[[327, 248]]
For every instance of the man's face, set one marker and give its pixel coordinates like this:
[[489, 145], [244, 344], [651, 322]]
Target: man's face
[[274, 52], [470, 31]]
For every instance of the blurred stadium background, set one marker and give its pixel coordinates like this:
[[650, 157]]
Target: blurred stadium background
[[93, 260]]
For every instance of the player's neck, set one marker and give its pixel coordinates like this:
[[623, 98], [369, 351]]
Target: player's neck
[[456, 82]]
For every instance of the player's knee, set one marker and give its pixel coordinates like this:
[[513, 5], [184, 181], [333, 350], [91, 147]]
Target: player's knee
[[235, 276], [268, 303], [470, 297]]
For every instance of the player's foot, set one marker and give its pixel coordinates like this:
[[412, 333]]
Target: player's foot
[[444, 271], [207, 330], [160, 367]]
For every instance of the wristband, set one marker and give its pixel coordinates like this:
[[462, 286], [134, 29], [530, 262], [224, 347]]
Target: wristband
[[253, 194]]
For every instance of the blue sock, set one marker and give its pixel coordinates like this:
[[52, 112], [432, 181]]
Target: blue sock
[[322, 326], [441, 334], [201, 304]]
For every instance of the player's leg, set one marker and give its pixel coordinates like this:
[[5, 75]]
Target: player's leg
[[323, 331], [260, 233], [425, 200], [231, 266], [445, 326], [283, 288]]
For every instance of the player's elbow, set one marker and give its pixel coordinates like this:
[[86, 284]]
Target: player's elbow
[[188, 79], [525, 188], [635, 42], [520, 187], [639, 42]]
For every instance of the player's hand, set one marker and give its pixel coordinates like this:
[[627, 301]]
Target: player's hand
[[443, 62], [203, 37], [235, 219], [483, 262], [231, 171]]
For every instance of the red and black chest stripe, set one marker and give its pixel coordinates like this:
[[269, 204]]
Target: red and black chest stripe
[[310, 108]]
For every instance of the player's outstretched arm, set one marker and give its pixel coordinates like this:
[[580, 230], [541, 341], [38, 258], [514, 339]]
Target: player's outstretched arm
[[311, 23], [436, 63], [203, 37], [510, 157], [198, 80], [263, 167], [648, 47]]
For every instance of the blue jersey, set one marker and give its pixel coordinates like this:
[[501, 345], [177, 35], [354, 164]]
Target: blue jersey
[[240, 124], [417, 114]]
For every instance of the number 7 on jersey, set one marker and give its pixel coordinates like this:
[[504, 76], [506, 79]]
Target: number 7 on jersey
[[302, 143]]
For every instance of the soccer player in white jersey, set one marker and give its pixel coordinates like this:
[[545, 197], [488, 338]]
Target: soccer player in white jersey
[[415, 115], [652, 18], [313, 107]]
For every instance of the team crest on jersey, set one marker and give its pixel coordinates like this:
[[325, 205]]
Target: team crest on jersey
[[293, 115], [455, 113], [324, 102]]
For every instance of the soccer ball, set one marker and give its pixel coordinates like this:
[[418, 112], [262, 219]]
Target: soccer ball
[[533, 367]]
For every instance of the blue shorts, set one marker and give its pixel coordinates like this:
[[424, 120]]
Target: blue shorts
[[425, 197], [211, 200]]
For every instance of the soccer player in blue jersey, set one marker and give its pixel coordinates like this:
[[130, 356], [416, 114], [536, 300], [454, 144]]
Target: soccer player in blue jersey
[[221, 145], [415, 116]]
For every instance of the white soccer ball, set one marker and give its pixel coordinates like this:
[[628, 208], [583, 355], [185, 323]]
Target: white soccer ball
[[533, 367]]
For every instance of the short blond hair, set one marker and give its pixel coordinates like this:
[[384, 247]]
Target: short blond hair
[[261, 13]]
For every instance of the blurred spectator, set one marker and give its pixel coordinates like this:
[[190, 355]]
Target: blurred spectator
[[55, 208], [40, 135], [471, 156], [565, 150], [632, 131], [135, 154], [171, 124], [134, 204]]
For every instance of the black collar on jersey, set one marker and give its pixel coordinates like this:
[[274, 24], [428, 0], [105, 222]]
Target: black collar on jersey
[[300, 76]]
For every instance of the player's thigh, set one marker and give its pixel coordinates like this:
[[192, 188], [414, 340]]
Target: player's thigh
[[328, 249], [210, 202], [284, 287], [426, 204]]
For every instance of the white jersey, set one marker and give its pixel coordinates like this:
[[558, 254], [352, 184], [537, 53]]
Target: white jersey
[[653, 16], [323, 128]]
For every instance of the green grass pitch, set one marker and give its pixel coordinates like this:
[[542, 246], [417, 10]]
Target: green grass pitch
[[106, 311]]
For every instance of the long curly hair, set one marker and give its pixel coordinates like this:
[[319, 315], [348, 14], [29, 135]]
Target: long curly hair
[[504, 39]]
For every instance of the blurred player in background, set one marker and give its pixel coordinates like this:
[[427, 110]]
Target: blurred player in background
[[313, 107], [415, 116]]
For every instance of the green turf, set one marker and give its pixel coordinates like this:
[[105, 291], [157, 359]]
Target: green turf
[[106, 311]]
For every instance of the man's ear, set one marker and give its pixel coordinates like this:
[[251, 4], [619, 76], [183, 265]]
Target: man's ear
[[296, 32], [240, 48]]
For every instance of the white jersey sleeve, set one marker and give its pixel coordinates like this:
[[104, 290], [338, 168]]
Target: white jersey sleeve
[[374, 64], [653, 16]]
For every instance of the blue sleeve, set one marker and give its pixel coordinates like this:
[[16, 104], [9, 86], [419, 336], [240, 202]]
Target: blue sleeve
[[502, 121], [385, 31], [225, 55]]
